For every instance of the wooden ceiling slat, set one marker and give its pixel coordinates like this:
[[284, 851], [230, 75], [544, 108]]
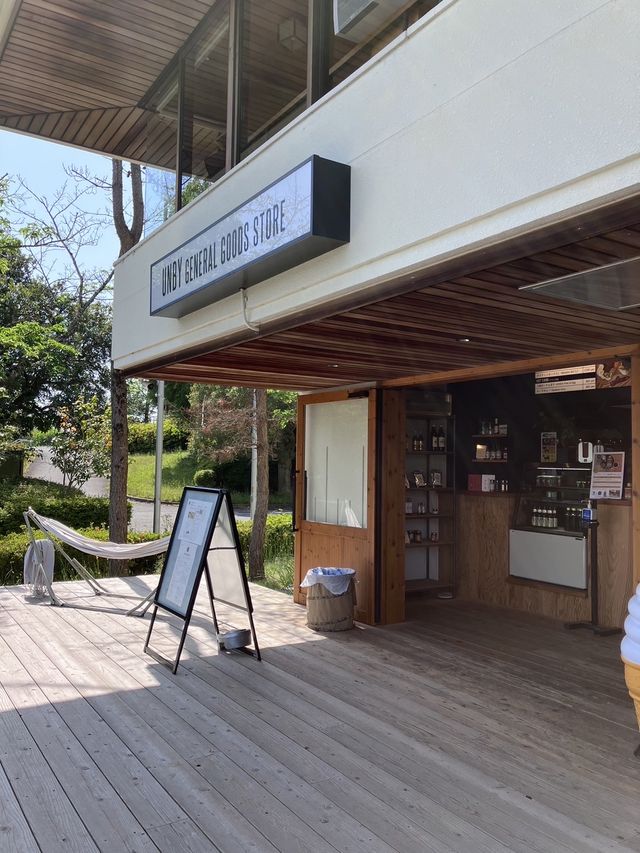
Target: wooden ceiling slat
[[70, 55], [42, 28], [418, 333]]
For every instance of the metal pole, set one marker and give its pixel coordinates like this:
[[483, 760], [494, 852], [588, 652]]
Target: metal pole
[[254, 459], [157, 487]]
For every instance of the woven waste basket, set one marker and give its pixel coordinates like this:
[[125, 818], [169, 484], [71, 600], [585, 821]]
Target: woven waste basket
[[331, 596]]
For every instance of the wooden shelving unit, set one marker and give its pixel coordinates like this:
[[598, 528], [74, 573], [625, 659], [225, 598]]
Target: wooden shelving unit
[[430, 565]]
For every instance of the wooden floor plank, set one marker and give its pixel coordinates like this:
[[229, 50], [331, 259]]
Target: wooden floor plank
[[597, 844], [53, 820], [15, 833], [535, 841], [465, 730], [128, 777], [322, 817], [103, 812], [105, 689]]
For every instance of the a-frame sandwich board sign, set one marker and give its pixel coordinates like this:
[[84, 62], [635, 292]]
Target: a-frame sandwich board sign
[[205, 541]]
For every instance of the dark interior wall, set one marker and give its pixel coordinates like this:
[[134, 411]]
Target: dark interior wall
[[603, 415]]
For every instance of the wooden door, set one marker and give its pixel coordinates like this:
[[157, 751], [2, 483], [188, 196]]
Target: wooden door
[[335, 490]]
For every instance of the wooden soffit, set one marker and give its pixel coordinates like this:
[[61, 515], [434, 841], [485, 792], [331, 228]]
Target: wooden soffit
[[419, 334], [76, 72]]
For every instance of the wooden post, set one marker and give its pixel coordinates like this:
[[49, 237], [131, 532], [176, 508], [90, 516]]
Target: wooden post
[[635, 465]]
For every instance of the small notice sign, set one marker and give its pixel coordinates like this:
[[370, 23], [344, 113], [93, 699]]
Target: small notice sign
[[204, 542], [607, 476], [548, 446]]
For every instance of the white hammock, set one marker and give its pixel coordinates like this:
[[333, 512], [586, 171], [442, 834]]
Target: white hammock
[[39, 574], [96, 547]]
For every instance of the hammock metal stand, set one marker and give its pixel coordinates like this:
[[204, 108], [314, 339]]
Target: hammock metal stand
[[32, 519]]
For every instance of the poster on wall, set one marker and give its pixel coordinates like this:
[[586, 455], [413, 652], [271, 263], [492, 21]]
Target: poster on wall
[[607, 476], [548, 446], [614, 374]]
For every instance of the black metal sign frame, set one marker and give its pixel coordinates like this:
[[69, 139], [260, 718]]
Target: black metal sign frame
[[199, 567]]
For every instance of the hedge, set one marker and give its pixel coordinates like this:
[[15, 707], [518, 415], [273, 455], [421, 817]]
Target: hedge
[[278, 540], [142, 437], [14, 546], [69, 506], [278, 543]]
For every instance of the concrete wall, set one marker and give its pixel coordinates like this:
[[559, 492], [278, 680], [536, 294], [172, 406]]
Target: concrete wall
[[485, 120]]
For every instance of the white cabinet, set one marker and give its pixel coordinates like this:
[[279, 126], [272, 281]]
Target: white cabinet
[[549, 557]]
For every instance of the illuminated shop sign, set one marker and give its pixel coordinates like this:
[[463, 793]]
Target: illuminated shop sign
[[300, 216]]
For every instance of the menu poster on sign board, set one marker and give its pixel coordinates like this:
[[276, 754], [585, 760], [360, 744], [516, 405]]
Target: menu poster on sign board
[[607, 476], [188, 548]]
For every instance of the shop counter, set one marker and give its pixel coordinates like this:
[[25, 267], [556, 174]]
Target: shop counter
[[483, 561]]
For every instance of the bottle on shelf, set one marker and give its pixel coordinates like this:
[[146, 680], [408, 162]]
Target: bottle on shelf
[[415, 442], [434, 438], [442, 439], [420, 441], [504, 453], [496, 426]]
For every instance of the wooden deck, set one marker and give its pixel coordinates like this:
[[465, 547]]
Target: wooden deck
[[466, 729]]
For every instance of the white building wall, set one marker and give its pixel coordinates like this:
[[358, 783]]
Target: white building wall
[[485, 120]]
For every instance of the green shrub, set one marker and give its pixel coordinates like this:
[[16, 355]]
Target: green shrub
[[43, 438], [205, 477], [14, 546], [142, 437], [67, 505], [278, 540]]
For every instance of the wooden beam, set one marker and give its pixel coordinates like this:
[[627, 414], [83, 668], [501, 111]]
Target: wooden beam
[[635, 466], [511, 368], [392, 510]]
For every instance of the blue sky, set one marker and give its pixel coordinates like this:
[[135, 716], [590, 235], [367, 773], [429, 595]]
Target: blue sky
[[41, 166]]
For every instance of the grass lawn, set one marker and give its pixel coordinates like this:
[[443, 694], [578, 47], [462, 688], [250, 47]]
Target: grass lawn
[[278, 574], [178, 469]]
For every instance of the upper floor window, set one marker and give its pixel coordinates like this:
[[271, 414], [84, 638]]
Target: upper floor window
[[259, 51]]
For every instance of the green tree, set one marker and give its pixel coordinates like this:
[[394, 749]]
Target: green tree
[[34, 372], [81, 448], [225, 424], [35, 290], [141, 399]]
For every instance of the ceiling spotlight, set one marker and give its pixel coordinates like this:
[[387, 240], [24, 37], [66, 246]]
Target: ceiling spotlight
[[464, 340], [292, 34], [334, 365]]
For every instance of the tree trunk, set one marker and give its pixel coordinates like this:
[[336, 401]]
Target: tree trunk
[[258, 529], [119, 467], [128, 237]]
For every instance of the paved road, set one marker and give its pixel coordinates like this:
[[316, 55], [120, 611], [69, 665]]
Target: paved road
[[42, 468]]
